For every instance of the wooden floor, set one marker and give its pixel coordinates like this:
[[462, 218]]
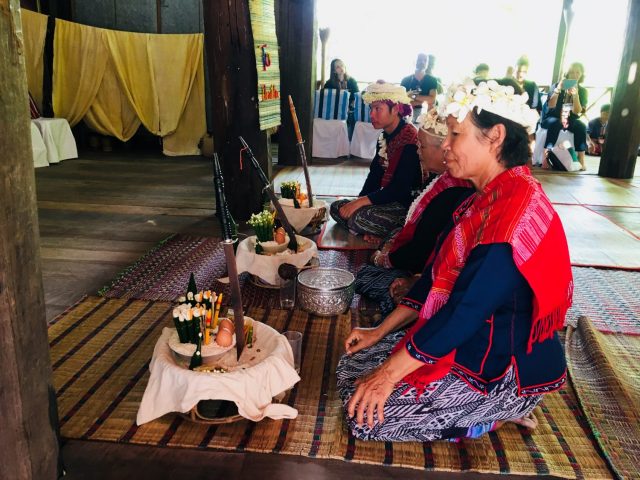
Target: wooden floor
[[100, 213]]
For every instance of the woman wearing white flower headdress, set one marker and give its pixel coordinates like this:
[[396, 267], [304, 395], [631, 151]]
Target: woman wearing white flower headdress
[[484, 347], [394, 173], [399, 261]]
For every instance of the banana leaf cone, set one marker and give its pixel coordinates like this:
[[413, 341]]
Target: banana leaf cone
[[181, 328], [196, 359], [192, 288]]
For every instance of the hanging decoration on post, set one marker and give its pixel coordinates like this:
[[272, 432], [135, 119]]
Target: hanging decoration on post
[[263, 27], [266, 57], [269, 93]]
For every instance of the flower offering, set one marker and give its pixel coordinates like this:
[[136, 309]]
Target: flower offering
[[263, 224]]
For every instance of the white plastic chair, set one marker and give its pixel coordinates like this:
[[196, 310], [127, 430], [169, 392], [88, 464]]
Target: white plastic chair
[[330, 134], [365, 137]]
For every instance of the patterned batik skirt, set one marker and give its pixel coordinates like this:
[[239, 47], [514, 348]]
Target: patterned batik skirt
[[374, 282], [448, 409], [377, 220]]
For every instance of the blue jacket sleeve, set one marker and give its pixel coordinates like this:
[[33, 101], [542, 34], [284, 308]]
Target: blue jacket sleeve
[[486, 282], [403, 180], [414, 299]]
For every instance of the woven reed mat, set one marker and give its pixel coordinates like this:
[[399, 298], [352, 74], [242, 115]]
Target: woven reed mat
[[163, 272], [100, 351], [604, 369], [610, 298]]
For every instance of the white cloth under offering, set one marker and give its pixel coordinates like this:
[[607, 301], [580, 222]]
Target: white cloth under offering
[[264, 371], [301, 217], [266, 266]]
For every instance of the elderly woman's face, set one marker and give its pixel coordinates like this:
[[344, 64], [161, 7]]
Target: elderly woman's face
[[467, 152], [431, 152]]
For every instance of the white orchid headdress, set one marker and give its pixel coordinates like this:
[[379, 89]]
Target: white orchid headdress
[[498, 99], [377, 92], [434, 122]]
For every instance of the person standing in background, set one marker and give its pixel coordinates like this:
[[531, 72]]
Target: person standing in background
[[529, 86], [421, 86]]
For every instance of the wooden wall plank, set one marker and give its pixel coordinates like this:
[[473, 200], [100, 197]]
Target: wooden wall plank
[[181, 17], [97, 13], [138, 16]]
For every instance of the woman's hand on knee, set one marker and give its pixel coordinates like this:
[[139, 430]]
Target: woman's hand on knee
[[348, 209], [361, 338], [371, 394]]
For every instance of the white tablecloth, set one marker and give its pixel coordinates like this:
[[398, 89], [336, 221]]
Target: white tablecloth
[[330, 138], [38, 147], [266, 374], [58, 138], [300, 217], [364, 140], [266, 266]]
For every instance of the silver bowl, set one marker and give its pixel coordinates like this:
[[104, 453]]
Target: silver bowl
[[325, 291]]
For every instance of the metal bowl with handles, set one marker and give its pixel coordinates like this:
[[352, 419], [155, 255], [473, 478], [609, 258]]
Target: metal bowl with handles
[[325, 291]]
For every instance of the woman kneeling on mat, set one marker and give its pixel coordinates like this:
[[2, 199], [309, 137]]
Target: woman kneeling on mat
[[402, 258], [484, 348]]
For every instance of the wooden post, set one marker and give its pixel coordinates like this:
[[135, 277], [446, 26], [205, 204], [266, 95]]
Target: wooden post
[[563, 35], [295, 27], [29, 412], [234, 96], [623, 132]]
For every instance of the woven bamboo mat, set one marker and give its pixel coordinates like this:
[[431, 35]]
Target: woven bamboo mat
[[101, 348], [163, 272], [604, 369], [608, 297]]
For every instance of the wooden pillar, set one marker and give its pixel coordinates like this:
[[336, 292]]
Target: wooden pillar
[[563, 35], [29, 413], [623, 132], [296, 29], [233, 88]]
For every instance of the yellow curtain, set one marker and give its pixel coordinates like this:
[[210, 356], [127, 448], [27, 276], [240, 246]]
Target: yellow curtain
[[117, 80], [34, 28], [111, 113], [192, 125], [162, 76], [79, 62], [132, 63], [175, 60]]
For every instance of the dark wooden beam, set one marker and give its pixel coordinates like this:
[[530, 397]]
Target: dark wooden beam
[[623, 132], [566, 17], [234, 95], [296, 29], [29, 412]]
